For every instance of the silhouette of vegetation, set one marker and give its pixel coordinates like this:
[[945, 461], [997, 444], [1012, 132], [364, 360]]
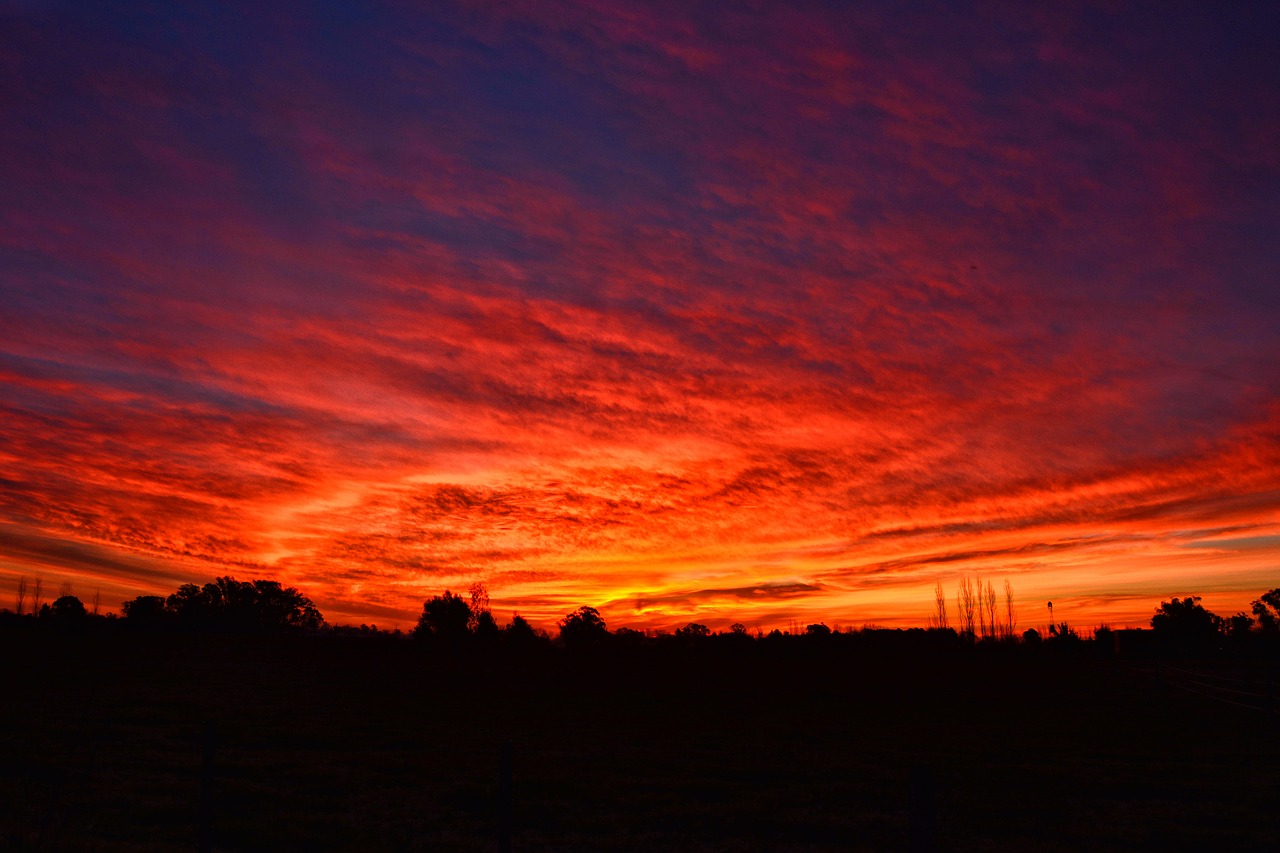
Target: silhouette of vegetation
[[479, 609], [978, 610], [448, 621], [1184, 626], [693, 710], [939, 617], [1179, 627], [146, 611], [520, 634], [967, 602], [583, 628], [68, 610], [810, 740], [445, 619], [1010, 614], [1266, 610], [1062, 633], [227, 605], [693, 631], [987, 602]]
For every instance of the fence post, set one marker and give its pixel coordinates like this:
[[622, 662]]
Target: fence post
[[920, 815], [504, 799]]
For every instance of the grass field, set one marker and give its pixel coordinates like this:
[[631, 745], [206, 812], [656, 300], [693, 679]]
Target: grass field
[[373, 745]]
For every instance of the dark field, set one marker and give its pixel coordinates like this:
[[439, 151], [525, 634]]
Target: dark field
[[373, 745]]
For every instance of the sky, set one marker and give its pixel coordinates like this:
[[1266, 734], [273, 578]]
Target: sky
[[770, 313]]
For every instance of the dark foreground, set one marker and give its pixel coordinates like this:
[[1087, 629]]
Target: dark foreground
[[373, 745]]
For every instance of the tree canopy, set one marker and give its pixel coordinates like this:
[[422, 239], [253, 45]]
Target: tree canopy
[[1185, 625], [445, 618], [228, 605], [584, 626], [1266, 609]]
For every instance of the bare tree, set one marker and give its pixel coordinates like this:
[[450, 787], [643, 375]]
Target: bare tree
[[967, 601], [989, 605], [939, 620], [981, 601], [35, 596], [64, 589], [97, 599], [22, 594], [1010, 617]]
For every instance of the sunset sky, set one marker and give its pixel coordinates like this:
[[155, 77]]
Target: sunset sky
[[771, 313]]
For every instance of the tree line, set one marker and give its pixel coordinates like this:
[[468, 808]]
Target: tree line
[[224, 605], [451, 621]]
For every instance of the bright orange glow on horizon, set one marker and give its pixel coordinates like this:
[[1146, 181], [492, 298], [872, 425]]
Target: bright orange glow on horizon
[[733, 318]]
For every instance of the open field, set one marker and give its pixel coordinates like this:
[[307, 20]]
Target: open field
[[372, 745]]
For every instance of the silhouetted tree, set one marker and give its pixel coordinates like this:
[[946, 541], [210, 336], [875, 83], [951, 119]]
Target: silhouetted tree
[[818, 629], [445, 618], [260, 606], [977, 610], [628, 640], [229, 605], [276, 607], [693, 631], [190, 607], [520, 627], [481, 622], [939, 618], [1239, 631], [1184, 626], [987, 602], [486, 629], [479, 605], [1010, 615], [1266, 609], [967, 602], [583, 627], [144, 611], [737, 636], [67, 611]]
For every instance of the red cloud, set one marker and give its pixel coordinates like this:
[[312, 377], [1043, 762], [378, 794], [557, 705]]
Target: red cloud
[[608, 305]]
